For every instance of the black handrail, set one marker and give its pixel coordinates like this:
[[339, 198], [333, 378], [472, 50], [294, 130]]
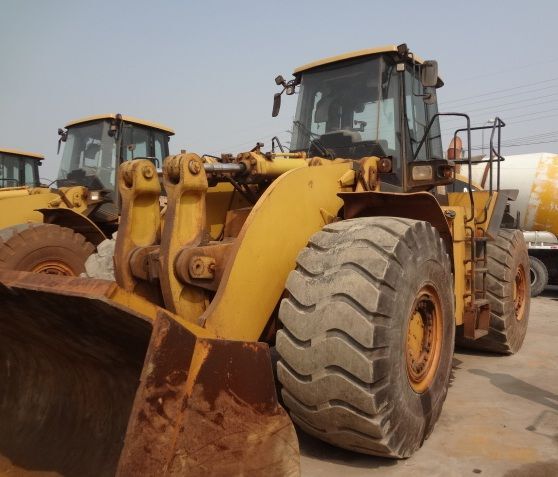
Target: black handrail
[[498, 124], [468, 129], [425, 135]]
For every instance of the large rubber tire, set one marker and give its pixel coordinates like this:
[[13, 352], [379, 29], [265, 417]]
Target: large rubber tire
[[507, 258], [538, 275], [343, 346], [44, 248]]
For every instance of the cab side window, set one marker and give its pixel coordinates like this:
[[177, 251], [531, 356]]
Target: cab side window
[[415, 110]]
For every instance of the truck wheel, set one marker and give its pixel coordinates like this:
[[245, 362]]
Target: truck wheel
[[43, 248], [368, 334], [538, 275], [508, 292]]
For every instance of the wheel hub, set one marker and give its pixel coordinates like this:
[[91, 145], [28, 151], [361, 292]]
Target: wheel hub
[[423, 344], [519, 293], [53, 267]]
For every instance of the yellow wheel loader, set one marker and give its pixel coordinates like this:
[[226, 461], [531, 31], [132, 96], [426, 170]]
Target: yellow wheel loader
[[54, 230], [18, 169], [348, 253]]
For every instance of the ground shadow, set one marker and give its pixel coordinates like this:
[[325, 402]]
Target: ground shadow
[[511, 385], [550, 292], [546, 424], [548, 468], [317, 449], [455, 366], [478, 352]]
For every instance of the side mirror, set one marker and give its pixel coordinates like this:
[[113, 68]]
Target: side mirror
[[276, 104], [63, 136], [429, 74]]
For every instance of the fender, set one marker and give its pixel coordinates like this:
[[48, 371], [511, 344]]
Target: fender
[[416, 205], [73, 220]]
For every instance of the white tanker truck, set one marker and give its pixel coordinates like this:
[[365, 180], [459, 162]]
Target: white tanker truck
[[535, 211]]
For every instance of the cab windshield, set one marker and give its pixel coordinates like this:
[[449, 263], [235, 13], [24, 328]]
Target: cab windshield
[[90, 154], [89, 157], [18, 171], [350, 108]]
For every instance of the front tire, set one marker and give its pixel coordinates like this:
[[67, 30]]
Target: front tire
[[44, 248], [368, 335]]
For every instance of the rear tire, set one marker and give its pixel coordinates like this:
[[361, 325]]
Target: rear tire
[[44, 248], [360, 287], [538, 275], [508, 292]]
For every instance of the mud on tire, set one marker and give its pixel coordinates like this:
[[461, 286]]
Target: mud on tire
[[43, 248], [508, 271], [343, 348]]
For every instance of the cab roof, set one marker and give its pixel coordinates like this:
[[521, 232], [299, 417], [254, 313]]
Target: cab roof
[[351, 55], [127, 119], [17, 152]]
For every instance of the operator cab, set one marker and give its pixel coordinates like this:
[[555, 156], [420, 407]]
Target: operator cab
[[96, 145], [19, 168], [375, 102]]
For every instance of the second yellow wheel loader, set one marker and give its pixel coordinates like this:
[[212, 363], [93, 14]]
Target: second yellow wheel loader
[[348, 253], [54, 230]]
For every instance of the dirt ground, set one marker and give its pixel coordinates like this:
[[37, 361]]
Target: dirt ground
[[500, 417]]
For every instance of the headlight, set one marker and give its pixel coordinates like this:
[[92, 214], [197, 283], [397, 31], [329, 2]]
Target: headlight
[[422, 173]]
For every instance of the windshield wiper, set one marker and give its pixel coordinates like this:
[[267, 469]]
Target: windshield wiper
[[313, 140]]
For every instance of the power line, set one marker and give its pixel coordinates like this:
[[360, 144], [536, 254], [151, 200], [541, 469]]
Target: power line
[[507, 120], [465, 98], [498, 106], [535, 119], [515, 68], [506, 95], [504, 146], [530, 138]]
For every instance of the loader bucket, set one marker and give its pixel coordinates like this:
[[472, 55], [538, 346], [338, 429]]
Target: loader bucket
[[93, 386]]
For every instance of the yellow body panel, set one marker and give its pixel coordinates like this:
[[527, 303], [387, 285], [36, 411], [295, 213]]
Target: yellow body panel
[[457, 227], [18, 152], [219, 199], [128, 119], [22, 191], [19, 206], [482, 200], [253, 280]]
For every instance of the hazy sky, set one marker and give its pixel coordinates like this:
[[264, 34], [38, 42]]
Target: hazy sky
[[207, 68]]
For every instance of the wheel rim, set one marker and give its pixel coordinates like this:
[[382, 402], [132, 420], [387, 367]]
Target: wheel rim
[[424, 339], [519, 293], [53, 267]]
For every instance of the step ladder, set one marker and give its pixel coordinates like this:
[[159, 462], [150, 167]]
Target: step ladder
[[476, 317]]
